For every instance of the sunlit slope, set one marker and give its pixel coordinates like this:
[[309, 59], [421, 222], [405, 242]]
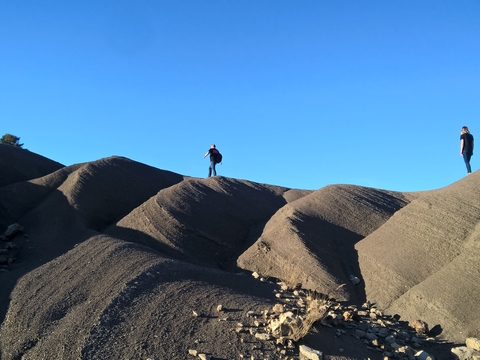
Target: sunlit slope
[[311, 240], [425, 261]]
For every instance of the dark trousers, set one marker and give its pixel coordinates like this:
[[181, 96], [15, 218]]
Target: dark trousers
[[212, 168], [467, 157]]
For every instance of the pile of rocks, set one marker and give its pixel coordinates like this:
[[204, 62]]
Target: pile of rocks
[[8, 250], [471, 350], [297, 310]]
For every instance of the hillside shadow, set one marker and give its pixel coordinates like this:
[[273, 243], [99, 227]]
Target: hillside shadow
[[138, 237], [335, 246], [51, 228]]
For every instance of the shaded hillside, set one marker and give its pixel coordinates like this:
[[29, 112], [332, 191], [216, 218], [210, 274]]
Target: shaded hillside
[[312, 240], [424, 262], [205, 221], [19, 164], [72, 204]]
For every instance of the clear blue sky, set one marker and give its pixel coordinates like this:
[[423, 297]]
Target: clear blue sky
[[294, 93]]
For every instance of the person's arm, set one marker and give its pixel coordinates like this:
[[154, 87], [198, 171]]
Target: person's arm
[[462, 143], [208, 152]]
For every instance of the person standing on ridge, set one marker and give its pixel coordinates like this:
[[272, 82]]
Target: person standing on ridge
[[214, 153], [466, 147]]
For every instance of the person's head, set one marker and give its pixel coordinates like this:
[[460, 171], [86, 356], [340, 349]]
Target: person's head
[[213, 146], [465, 130]]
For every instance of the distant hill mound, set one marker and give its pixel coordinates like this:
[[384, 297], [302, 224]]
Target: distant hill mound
[[118, 259], [18, 164]]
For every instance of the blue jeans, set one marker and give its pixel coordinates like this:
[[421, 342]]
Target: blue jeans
[[467, 157], [212, 167]]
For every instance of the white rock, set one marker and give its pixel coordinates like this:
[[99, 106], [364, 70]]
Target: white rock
[[262, 336], [462, 353], [422, 355], [473, 343], [278, 308], [307, 353], [192, 352]]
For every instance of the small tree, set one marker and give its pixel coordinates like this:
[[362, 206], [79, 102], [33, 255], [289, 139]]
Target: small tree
[[9, 139]]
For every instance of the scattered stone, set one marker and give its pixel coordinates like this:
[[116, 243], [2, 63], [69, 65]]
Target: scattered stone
[[390, 339], [355, 280], [463, 353], [192, 352], [420, 327], [383, 332], [307, 353], [194, 313], [473, 343], [360, 333], [13, 230], [205, 356], [278, 308], [422, 355], [263, 336], [220, 308], [348, 315]]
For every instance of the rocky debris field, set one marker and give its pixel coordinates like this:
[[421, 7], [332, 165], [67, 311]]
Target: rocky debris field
[[279, 332], [9, 251]]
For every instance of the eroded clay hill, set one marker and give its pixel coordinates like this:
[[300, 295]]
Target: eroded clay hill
[[115, 256], [424, 261], [312, 240]]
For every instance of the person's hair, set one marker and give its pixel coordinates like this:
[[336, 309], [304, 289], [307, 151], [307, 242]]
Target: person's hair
[[465, 129], [213, 145]]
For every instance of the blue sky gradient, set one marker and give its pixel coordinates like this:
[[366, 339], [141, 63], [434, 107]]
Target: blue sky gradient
[[294, 93]]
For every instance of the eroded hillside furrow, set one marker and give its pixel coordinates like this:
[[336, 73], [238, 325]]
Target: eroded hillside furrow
[[207, 220], [312, 239]]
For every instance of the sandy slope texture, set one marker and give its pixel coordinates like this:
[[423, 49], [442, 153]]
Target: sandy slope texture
[[425, 261], [205, 221], [70, 205], [311, 240], [110, 299]]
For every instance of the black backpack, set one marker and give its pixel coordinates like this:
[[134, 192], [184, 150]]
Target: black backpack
[[219, 158]]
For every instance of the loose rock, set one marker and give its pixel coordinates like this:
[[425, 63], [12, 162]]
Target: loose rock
[[473, 343], [420, 327], [307, 353]]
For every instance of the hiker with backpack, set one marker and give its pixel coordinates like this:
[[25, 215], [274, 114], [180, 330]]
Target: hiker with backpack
[[215, 158], [466, 147]]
